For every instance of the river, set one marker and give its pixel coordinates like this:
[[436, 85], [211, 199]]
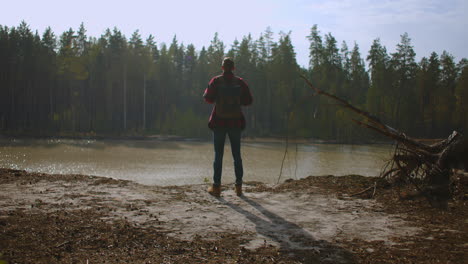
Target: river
[[163, 162]]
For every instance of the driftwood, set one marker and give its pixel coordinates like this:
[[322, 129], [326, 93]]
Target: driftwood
[[427, 166]]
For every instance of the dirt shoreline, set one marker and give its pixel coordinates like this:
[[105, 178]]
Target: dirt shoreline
[[86, 219]]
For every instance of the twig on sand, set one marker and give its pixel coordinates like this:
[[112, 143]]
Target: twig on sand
[[375, 188], [62, 244], [366, 190]]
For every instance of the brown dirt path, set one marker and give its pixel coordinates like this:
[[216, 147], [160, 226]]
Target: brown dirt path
[[78, 219]]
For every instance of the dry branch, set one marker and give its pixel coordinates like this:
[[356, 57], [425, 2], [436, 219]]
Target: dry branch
[[427, 167]]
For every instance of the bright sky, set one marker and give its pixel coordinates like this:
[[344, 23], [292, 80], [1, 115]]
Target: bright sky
[[433, 25]]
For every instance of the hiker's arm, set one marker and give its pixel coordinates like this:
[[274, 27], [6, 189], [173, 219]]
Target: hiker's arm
[[246, 96], [210, 92]]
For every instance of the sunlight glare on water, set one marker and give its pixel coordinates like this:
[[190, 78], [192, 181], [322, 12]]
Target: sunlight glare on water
[[187, 162]]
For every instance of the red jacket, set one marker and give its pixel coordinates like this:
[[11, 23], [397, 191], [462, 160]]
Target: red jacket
[[210, 97]]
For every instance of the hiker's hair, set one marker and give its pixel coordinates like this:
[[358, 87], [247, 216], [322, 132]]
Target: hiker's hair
[[228, 62]]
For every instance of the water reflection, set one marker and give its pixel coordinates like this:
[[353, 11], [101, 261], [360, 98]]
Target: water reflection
[[170, 162]]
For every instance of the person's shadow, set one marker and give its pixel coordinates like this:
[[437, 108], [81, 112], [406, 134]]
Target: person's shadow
[[292, 238]]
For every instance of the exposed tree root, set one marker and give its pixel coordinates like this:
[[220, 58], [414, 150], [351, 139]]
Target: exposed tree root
[[426, 166]]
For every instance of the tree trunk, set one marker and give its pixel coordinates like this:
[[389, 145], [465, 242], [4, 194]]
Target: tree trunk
[[428, 167]]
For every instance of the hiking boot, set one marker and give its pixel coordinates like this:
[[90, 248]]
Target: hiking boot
[[238, 189], [215, 190]]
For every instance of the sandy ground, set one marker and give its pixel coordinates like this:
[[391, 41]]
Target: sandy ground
[[86, 219]]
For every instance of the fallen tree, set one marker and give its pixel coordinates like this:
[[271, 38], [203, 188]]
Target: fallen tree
[[429, 167]]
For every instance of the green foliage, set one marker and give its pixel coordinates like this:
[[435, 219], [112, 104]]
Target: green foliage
[[1, 259], [461, 97], [75, 84], [186, 123]]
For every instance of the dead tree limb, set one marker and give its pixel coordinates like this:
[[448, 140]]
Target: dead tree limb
[[427, 167]]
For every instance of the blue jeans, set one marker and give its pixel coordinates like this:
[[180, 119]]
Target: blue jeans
[[219, 137]]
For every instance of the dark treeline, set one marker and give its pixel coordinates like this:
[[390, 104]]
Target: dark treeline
[[73, 84]]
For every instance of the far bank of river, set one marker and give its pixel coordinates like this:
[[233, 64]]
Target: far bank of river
[[172, 161]]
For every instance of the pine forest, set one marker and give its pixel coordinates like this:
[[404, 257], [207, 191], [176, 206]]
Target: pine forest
[[79, 85]]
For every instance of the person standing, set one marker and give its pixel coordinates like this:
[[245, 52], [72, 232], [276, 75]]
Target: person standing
[[228, 92]]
